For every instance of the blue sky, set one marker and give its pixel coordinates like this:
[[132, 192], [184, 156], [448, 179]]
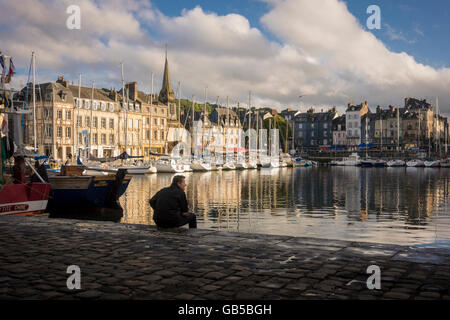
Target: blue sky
[[418, 27]]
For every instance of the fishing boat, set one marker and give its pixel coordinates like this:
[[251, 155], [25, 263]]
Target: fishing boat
[[395, 163], [415, 163], [74, 195], [20, 194]]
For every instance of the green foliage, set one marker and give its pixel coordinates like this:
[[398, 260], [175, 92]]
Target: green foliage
[[186, 106], [278, 122]]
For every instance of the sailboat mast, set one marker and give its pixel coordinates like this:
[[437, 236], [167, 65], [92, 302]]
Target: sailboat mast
[[90, 122], [75, 138], [228, 128], [366, 134], [203, 122], [192, 128], [123, 108], [33, 58], [151, 115]]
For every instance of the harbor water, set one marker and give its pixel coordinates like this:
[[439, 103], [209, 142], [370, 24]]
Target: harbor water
[[408, 206]]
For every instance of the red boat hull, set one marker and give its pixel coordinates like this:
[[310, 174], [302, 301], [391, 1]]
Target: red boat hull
[[24, 199]]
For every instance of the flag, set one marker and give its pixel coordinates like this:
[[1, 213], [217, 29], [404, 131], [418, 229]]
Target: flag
[[4, 126], [11, 71], [4, 99]]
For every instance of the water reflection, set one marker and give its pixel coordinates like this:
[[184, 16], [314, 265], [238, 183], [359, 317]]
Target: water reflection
[[390, 205]]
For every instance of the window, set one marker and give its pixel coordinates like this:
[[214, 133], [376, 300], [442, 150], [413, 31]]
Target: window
[[79, 121], [349, 124], [80, 138], [48, 131], [147, 134], [87, 121], [155, 121], [103, 123], [47, 114], [103, 139], [300, 126], [325, 125], [349, 132], [155, 135], [312, 134], [59, 132], [312, 125], [94, 122], [95, 139], [162, 135], [325, 141], [162, 111], [68, 115], [162, 122], [68, 133], [300, 134], [59, 114], [111, 123], [111, 139]]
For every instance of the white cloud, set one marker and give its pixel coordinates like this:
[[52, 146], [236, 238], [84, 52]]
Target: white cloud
[[322, 52]]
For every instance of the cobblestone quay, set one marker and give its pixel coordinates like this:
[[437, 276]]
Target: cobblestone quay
[[121, 261]]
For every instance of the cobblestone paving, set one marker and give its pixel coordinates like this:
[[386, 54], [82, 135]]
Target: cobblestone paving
[[120, 261]]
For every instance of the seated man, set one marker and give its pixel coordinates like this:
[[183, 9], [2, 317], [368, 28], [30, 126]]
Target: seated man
[[170, 206]]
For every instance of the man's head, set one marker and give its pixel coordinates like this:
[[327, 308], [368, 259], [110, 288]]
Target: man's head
[[179, 181]]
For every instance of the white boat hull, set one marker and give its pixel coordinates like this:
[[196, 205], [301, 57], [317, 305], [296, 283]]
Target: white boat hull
[[396, 163], [169, 168], [201, 167], [415, 163], [432, 164], [229, 166]]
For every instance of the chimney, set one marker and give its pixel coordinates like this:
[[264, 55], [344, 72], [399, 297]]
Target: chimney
[[378, 109], [63, 82], [132, 89], [113, 95]]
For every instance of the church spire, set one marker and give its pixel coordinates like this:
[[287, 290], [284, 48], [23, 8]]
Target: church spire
[[166, 94]]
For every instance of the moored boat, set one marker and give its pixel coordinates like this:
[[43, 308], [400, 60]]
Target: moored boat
[[396, 163], [415, 163], [432, 163], [75, 195]]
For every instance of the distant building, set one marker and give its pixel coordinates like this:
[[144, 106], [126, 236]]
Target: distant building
[[353, 122], [339, 132], [312, 129]]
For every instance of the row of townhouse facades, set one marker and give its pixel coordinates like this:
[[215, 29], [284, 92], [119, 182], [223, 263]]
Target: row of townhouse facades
[[74, 120], [416, 124]]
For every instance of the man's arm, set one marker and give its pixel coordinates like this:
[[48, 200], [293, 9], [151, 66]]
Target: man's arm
[[184, 204], [154, 199]]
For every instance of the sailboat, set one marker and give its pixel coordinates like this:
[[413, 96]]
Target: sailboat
[[133, 168], [228, 165], [201, 164]]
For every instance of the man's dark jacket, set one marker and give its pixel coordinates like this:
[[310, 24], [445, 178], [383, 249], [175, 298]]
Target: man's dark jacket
[[168, 204]]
